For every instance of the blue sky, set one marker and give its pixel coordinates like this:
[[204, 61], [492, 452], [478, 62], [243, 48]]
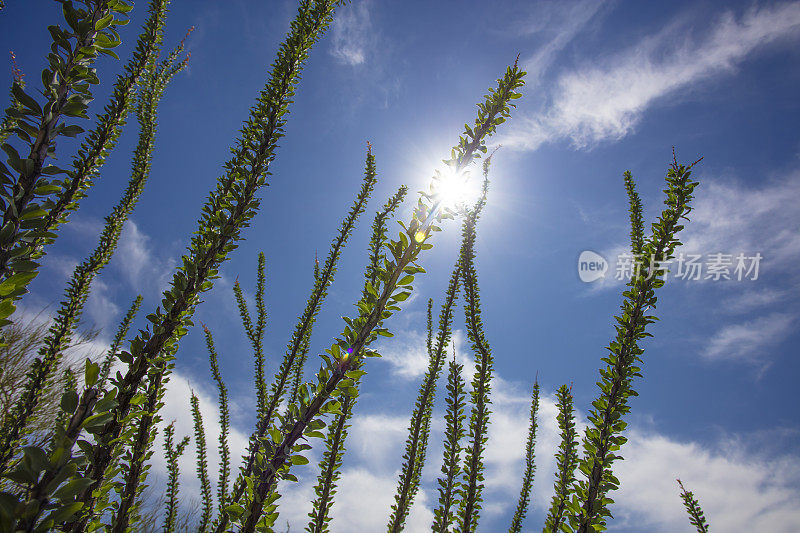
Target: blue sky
[[611, 86]]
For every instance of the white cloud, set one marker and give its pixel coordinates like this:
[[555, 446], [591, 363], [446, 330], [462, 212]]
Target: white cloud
[[353, 512], [177, 408], [557, 24], [377, 440], [352, 33], [138, 263], [752, 340], [605, 102], [408, 354], [732, 218], [752, 299], [738, 490], [100, 307]]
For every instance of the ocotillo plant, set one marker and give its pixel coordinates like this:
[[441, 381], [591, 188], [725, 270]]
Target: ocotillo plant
[[153, 86], [92, 472], [26, 180], [696, 516], [443, 515], [173, 453], [49, 470], [530, 467], [566, 459]]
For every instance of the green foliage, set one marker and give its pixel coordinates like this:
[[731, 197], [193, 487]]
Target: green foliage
[[93, 471], [224, 419], [256, 334], [329, 474], [696, 517], [60, 334], [566, 460], [635, 208], [226, 213], [471, 487], [292, 364], [33, 201], [202, 464], [336, 436], [119, 338], [134, 464], [454, 432], [530, 467], [588, 507], [419, 425], [9, 121], [491, 112], [172, 454]]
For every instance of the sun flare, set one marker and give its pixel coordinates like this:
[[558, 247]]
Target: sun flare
[[455, 189]]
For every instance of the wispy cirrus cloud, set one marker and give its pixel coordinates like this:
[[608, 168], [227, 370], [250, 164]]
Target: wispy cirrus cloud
[[757, 298], [750, 341], [353, 35], [731, 217], [555, 24], [605, 101]]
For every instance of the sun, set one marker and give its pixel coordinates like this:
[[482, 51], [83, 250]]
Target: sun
[[455, 190]]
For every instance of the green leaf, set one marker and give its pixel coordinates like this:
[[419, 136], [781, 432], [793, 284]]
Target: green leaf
[[48, 188], [74, 487], [104, 22], [69, 401], [299, 460], [63, 513], [52, 169], [37, 457], [71, 131], [6, 308], [24, 99], [406, 280], [91, 373], [234, 510]]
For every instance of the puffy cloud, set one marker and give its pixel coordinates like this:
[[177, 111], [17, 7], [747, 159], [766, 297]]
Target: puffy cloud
[[139, 264], [737, 489]]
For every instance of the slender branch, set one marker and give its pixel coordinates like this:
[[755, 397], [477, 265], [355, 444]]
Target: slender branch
[[202, 465], [471, 486], [77, 291], [589, 504], [696, 516], [566, 460], [530, 467], [172, 454], [224, 448], [226, 213], [119, 338], [454, 432]]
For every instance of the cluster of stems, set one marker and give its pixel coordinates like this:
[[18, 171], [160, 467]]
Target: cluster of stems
[[93, 471]]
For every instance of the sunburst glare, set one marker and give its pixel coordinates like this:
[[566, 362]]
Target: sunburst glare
[[455, 190]]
